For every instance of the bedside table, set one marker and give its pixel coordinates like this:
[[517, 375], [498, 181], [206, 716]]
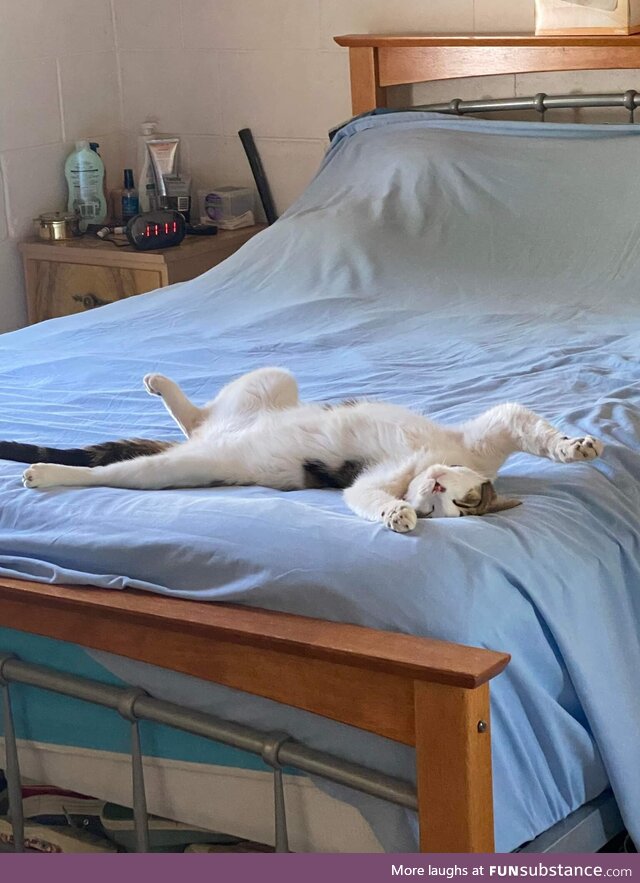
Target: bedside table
[[75, 275]]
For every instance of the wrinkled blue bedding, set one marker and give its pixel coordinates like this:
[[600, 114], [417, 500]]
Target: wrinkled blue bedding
[[446, 264]]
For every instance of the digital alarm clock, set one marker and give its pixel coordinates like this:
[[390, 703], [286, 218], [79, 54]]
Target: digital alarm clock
[[159, 229]]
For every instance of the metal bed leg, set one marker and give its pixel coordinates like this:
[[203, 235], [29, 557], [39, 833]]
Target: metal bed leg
[[12, 768], [126, 707], [270, 752]]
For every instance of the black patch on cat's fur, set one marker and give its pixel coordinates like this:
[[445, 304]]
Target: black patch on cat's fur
[[93, 455], [126, 449], [318, 475]]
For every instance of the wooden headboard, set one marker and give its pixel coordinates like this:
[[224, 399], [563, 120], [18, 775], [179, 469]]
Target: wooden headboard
[[377, 61]]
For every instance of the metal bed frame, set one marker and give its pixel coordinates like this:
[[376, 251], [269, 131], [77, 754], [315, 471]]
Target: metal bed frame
[[586, 830], [276, 749], [539, 103]]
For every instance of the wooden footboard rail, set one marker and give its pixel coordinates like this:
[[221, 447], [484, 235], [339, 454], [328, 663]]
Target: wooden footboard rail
[[430, 694]]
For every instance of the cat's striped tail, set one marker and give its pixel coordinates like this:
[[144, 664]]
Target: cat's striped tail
[[92, 455]]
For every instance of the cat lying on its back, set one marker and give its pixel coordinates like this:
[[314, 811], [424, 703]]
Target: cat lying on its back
[[394, 465]]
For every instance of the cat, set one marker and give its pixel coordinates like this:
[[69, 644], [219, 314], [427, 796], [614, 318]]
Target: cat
[[393, 465]]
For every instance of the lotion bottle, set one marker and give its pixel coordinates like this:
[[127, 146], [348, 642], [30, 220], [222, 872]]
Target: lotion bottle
[[84, 171]]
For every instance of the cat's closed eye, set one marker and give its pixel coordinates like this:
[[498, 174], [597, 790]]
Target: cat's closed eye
[[469, 501], [483, 501], [477, 500]]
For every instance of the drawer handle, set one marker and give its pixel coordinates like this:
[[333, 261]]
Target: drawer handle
[[89, 301]]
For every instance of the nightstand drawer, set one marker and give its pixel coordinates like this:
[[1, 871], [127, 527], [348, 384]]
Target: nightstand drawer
[[76, 275], [63, 288]]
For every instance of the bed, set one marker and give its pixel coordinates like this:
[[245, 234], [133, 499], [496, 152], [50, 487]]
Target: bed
[[428, 263]]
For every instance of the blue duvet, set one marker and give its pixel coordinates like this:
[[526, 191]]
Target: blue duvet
[[446, 264]]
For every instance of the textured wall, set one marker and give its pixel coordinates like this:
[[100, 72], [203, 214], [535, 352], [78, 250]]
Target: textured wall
[[270, 65], [204, 69], [59, 83]]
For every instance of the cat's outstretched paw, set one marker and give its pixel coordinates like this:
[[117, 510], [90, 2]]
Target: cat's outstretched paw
[[571, 450], [40, 475], [155, 383], [400, 517]]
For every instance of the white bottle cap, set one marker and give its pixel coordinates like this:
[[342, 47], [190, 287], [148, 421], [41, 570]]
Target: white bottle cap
[[82, 145], [148, 128]]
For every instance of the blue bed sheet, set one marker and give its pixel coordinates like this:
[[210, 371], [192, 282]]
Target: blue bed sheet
[[446, 264]]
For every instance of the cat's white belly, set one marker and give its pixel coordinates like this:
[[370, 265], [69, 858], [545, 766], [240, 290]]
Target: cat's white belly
[[273, 448]]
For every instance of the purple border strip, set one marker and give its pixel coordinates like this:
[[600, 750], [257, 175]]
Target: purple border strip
[[316, 868]]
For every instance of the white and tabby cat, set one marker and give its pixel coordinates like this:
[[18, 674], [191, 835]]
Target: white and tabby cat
[[393, 464]]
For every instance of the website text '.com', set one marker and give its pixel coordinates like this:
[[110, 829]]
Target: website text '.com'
[[538, 870]]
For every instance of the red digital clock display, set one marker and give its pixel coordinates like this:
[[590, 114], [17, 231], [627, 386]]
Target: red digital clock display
[[159, 229], [165, 229]]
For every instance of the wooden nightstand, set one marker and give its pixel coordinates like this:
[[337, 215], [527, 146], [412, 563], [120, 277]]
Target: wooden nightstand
[[75, 275]]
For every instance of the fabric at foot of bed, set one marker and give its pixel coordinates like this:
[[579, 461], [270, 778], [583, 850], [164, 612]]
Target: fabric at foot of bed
[[224, 799]]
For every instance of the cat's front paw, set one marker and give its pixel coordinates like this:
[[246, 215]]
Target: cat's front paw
[[571, 450], [39, 475], [155, 383], [400, 517]]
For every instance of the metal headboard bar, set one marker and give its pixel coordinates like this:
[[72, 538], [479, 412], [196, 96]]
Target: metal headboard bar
[[541, 102]]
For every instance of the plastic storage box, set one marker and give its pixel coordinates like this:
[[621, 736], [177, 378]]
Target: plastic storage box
[[224, 205]]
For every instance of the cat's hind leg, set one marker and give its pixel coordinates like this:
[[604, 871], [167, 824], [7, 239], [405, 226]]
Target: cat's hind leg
[[184, 412], [272, 389], [263, 389], [170, 469]]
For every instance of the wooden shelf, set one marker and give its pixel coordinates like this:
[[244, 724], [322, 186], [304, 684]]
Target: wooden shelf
[[495, 40]]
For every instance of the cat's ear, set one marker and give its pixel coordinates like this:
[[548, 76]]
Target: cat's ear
[[499, 504]]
